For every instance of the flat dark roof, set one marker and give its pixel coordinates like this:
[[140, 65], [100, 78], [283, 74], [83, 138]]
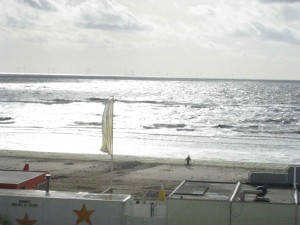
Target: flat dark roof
[[224, 191]]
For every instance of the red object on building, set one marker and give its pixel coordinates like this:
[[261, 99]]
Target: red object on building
[[16, 179], [26, 167]]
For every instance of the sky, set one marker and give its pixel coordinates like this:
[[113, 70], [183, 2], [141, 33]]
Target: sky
[[247, 39]]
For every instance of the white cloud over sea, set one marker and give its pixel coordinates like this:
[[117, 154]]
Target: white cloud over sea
[[257, 39]]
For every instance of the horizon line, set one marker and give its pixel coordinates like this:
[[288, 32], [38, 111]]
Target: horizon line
[[122, 77]]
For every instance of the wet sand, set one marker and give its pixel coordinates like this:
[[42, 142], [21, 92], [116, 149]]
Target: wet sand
[[130, 175]]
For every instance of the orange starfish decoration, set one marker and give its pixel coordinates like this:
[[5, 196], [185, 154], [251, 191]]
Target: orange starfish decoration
[[26, 221], [84, 215]]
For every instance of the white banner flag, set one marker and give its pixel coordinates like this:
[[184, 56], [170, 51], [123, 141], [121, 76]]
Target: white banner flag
[[107, 128]]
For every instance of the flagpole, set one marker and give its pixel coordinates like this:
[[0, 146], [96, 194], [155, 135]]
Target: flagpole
[[112, 145], [111, 169]]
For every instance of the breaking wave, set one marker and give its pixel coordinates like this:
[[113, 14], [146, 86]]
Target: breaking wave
[[6, 120], [96, 99], [45, 101], [103, 100], [185, 129], [223, 126], [281, 121], [81, 123], [163, 125], [201, 106], [59, 101], [272, 121]]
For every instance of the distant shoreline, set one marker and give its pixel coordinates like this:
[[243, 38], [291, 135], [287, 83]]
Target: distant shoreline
[[123, 77]]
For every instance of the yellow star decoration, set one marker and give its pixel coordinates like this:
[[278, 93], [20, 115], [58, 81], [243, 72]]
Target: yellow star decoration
[[26, 221], [84, 215]]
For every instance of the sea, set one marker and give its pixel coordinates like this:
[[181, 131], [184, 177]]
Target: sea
[[209, 119]]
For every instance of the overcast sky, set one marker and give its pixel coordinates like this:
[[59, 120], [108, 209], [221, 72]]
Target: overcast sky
[[254, 39]]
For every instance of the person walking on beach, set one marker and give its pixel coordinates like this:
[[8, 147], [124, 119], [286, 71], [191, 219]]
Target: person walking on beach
[[188, 159]]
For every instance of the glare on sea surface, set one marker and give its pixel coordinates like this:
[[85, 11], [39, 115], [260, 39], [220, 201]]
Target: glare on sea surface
[[220, 120]]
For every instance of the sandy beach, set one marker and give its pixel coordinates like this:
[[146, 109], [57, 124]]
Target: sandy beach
[[131, 175]]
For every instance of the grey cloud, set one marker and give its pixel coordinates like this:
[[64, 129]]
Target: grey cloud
[[114, 24], [16, 16], [46, 5], [291, 13], [280, 1], [245, 31], [108, 15], [285, 35], [14, 22], [269, 33], [35, 39]]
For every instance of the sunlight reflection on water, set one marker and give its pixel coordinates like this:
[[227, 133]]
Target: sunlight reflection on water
[[213, 120]]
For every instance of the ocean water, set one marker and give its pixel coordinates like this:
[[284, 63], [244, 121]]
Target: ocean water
[[213, 120]]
